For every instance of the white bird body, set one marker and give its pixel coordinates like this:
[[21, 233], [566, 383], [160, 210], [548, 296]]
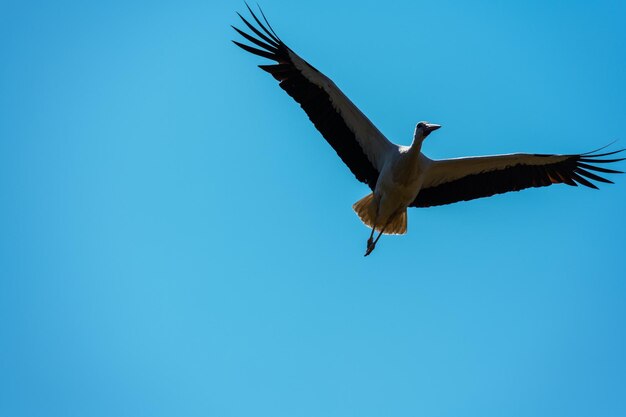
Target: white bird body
[[401, 176], [398, 185]]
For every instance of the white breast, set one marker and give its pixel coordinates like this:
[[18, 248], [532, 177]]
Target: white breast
[[398, 183]]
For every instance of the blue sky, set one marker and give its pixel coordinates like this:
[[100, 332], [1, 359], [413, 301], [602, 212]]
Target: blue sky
[[178, 240]]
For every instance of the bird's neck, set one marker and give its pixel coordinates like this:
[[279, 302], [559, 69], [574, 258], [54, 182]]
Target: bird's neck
[[406, 168], [416, 147]]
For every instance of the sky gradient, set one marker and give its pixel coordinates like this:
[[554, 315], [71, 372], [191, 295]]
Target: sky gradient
[[178, 239]]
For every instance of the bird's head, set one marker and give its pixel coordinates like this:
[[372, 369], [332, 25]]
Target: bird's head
[[423, 129]]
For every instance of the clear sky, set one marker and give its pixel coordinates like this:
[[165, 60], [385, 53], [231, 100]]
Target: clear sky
[[177, 239]]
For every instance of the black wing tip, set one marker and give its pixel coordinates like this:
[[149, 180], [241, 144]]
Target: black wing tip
[[592, 176], [598, 169], [271, 33], [589, 161], [256, 51], [595, 154], [273, 47], [602, 147], [268, 22]]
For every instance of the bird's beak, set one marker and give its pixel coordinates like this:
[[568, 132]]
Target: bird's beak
[[431, 127]]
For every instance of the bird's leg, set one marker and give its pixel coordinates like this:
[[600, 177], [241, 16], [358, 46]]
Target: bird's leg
[[372, 246], [380, 234], [371, 239]]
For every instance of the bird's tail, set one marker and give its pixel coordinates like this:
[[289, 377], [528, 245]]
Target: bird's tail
[[365, 208]]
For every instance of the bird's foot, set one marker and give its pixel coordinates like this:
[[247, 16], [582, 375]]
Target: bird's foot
[[370, 247]]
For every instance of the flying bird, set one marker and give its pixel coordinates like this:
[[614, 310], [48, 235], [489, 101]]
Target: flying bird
[[402, 176]]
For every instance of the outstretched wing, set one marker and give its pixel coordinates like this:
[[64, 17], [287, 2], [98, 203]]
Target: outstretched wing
[[361, 146], [462, 179]]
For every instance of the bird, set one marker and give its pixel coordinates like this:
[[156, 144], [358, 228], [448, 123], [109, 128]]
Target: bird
[[398, 176]]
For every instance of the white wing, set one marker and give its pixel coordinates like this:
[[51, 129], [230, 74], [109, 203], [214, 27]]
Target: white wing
[[361, 146], [461, 179]]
